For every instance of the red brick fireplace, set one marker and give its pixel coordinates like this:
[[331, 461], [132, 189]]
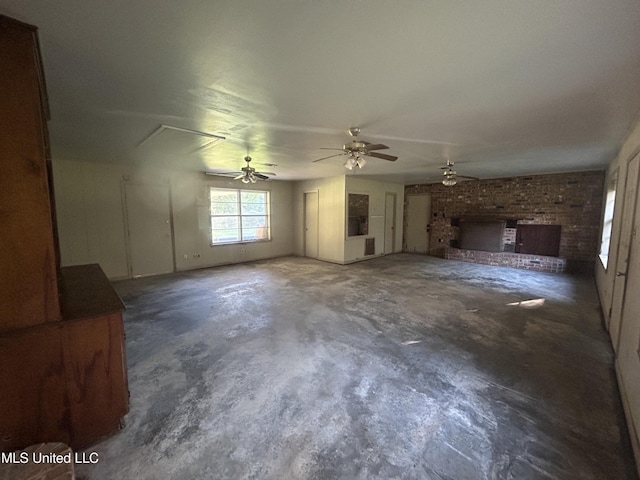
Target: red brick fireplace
[[569, 202]]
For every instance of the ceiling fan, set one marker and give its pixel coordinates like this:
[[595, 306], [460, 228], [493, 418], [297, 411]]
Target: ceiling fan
[[357, 149], [248, 174], [450, 175]]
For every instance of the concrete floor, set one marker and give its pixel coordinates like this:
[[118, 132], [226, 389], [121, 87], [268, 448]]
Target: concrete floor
[[404, 366]]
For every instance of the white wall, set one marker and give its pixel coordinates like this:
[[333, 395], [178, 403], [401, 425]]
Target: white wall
[[354, 246], [331, 217], [627, 356], [334, 245], [190, 193], [90, 216], [91, 211], [91, 219]]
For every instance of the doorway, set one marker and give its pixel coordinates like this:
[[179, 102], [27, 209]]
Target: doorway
[[311, 224], [624, 250], [149, 232], [418, 214], [389, 223], [627, 305]]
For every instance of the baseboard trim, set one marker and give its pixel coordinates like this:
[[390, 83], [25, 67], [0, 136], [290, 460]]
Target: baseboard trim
[[363, 259]]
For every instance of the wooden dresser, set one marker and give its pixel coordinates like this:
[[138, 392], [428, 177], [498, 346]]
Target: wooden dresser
[[62, 357]]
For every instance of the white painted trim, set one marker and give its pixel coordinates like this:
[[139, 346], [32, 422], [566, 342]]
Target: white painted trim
[[633, 431]]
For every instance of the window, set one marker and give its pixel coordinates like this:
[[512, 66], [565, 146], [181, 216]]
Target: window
[[239, 216], [358, 215], [607, 222]]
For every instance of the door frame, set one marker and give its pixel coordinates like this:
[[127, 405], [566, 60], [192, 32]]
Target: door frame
[[304, 222], [393, 222], [632, 231]]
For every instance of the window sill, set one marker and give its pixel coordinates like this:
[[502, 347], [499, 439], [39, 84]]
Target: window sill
[[245, 242]]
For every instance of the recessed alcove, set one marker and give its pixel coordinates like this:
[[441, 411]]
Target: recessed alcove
[[508, 243]]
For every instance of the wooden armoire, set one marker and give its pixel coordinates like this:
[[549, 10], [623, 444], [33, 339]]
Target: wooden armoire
[[63, 371]]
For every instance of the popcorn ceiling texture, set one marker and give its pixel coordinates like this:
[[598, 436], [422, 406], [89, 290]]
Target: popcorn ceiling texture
[[572, 200]]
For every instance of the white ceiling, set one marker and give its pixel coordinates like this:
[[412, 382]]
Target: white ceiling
[[503, 87]]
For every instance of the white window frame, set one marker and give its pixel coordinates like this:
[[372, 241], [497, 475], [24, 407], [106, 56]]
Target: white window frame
[[240, 215], [607, 219]]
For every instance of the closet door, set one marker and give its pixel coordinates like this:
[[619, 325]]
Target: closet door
[[311, 244], [149, 229], [418, 216]]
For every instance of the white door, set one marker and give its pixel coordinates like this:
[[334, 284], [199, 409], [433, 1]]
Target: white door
[[622, 261], [149, 229], [389, 223], [311, 224], [628, 349], [418, 214]]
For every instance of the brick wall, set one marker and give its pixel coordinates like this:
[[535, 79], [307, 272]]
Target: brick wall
[[572, 200], [523, 261]]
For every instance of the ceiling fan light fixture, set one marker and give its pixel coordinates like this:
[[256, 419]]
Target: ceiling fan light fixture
[[356, 150], [350, 163], [449, 181]]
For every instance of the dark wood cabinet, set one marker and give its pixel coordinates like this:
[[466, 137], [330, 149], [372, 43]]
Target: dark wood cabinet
[[28, 285], [62, 357]]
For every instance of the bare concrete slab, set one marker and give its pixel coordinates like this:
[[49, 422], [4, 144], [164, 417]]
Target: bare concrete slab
[[404, 366]]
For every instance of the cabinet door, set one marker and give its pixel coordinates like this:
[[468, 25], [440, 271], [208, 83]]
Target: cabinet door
[[73, 391], [28, 284], [34, 406], [96, 377]]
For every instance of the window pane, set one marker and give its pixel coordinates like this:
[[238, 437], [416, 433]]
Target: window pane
[[605, 242], [224, 208], [254, 209], [225, 196], [224, 236], [255, 234], [233, 221], [252, 222], [220, 223], [248, 196]]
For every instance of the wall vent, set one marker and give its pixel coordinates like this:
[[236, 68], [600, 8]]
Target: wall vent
[[370, 246]]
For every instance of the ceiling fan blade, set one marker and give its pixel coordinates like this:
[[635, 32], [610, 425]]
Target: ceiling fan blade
[[325, 148], [239, 176], [222, 174], [377, 146], [261, 176], [470, 178], [383, 156], [267, 173], [330, 156]]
